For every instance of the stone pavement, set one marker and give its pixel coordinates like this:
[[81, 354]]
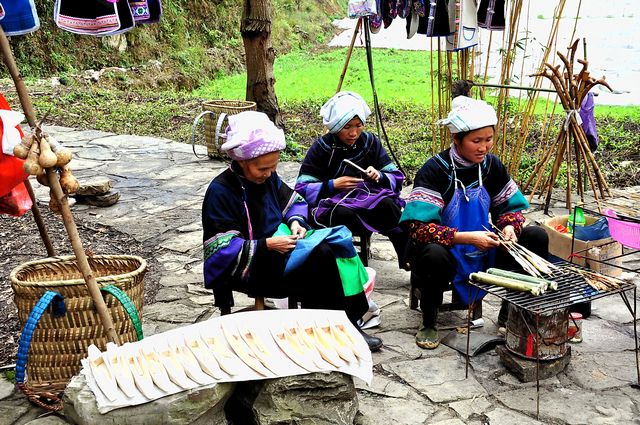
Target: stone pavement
[[162, 185]]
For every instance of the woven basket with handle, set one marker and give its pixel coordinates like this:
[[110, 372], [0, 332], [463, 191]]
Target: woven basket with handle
[[214, 114], [51, 346]]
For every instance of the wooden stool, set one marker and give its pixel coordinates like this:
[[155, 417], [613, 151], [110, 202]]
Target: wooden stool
[[363, 241]]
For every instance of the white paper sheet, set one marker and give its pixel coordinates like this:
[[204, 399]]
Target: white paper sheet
[[262, 325]]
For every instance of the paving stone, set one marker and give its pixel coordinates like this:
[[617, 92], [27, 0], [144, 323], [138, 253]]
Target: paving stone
[[571, 405], [611, 309], [399, 317], [204, 300], [48, 420], [173, 262], [190, 227], [97, 153], [183, 242], [10, 413], [198, 289], [6, 388], [599, 336], [384, 386], [440, 379], [172, 313], [474, 406], [184, 279], [375, 410], [499, 416], [171, 293], [602, 370], [449, 422]]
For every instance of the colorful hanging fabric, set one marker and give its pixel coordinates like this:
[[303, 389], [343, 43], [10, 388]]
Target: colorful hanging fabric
[[19, 17], [360, 8], [404, 8], [375, 20], [95, 17], [463, 22], [392, 8], [491, 15], [148, 11], [437, 21]]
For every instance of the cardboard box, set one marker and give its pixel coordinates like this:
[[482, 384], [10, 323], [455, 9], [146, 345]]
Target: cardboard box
[[601, 250]]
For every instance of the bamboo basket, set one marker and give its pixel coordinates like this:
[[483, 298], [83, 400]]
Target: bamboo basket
[[216, 108], [59, 343]]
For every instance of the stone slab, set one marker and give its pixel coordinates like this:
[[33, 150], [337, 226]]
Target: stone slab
[[499, 416], [204, 405], [474, 406], [599, 371], [525, 370], [375, 410], [6, 388], [183, 242], [172, 313], [571, 405], [384, 386], [441, 379], [48, 420], [171, 293]]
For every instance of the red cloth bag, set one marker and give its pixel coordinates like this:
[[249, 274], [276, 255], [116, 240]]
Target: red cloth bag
[[14, 198]]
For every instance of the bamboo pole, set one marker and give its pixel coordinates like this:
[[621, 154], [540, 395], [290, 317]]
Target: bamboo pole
[[54, 184], [349, 51], [42, 228]]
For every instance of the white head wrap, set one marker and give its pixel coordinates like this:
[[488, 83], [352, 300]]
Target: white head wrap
[[469, 114], [251, 134], [341, 109]]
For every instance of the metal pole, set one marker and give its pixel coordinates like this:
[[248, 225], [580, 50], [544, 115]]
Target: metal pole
[[56, 192]]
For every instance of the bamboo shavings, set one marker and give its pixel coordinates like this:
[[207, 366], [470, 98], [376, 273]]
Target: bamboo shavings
[[598, 281]]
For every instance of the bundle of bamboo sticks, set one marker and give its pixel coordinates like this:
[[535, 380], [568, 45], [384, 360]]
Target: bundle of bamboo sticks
[[571, 90]]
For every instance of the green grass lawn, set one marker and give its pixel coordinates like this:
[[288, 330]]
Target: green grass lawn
[[400, 76]]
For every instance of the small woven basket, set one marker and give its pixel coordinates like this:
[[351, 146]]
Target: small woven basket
[[217, 107], [59, 343]]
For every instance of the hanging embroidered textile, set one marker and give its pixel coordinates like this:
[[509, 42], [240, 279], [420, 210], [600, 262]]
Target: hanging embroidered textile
[[435, 23], [95, 17], [149, 11], [491, 15], [19, 17], [463, 22], [359, 8]]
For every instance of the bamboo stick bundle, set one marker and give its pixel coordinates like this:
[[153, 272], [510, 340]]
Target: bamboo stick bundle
[[597, 281], [571, 90]]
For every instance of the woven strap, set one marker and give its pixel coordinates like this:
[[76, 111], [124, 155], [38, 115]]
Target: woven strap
[[219, 136], [194, 128], [59, 309], [128, 306]]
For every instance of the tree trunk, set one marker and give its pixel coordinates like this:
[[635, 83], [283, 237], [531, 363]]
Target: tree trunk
[[260, 55]]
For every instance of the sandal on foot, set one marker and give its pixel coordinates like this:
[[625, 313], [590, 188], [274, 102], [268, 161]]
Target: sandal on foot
[[427, 338]]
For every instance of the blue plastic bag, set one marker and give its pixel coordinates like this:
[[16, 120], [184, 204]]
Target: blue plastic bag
[[593, 232]]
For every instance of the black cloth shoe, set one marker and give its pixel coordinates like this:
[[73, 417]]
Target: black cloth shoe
[[373, 342]]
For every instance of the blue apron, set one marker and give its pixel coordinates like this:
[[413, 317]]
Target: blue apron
[[468, 211]]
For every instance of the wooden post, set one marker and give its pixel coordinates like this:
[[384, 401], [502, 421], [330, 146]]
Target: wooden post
[[56, 191], [349, 51], [51, 252]]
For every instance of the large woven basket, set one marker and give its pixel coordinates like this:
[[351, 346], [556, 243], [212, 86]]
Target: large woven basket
[[218, 107], [59, 343]]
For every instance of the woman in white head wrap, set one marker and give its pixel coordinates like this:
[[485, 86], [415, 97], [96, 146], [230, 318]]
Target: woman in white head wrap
[[447, 214], [253, 224], [347, 177]]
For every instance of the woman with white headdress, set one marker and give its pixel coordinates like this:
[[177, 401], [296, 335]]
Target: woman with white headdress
[[447, 214], [347, 177], [256, 237]]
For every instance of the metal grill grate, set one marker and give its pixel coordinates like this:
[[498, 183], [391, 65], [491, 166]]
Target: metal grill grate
[[572, 289]]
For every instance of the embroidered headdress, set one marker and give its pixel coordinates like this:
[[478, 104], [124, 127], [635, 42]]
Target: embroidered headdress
[[341, 109], [251, 134], [469, 114]]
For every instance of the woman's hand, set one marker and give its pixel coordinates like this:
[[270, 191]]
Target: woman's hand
[[346, 183], [297, 230], [281, 244], [373, 174], [480, 239], [509, 232]]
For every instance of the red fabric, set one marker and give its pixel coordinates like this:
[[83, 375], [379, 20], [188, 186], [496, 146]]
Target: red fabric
[[11, 171], [16, 202]]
